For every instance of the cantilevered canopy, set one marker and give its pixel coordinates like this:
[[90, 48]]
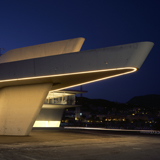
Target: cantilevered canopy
[[72, 69], [62, 81]]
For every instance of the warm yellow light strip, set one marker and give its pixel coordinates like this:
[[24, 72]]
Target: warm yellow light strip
[[66, 74], [134, 69]]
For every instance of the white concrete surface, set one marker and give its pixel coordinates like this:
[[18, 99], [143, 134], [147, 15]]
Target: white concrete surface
[[79, 67], [50, 114], [43, 50], [20, 106]]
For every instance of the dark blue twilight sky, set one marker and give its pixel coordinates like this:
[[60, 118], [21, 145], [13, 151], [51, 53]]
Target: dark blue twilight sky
[[102, 23]]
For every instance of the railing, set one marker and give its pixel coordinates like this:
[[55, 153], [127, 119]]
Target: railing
[[66, 100]]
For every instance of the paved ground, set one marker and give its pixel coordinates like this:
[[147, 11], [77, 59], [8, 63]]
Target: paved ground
[[80, 145]]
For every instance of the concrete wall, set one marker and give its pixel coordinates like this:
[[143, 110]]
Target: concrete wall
[[50, 114], [20, 106], [43, 50], [37, 70], [131, 55]]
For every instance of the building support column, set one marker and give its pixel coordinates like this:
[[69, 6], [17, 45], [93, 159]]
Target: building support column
[[20, 106]]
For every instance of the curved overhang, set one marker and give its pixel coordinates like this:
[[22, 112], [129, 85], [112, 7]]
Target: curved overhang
[[94, 76], [78, 68], [68, 80]]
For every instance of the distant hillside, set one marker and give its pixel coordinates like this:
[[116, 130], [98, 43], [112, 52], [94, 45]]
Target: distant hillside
[[151, 101], [94, 102], [147, 101], [89, 104]]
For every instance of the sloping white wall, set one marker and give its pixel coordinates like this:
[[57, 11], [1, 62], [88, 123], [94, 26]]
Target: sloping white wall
[[43, 50], [20, 106]]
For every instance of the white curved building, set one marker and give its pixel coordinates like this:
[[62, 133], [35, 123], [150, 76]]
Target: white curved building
[[28, 74]]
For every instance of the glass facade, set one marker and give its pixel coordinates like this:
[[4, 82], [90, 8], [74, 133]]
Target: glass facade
[[60, 98]]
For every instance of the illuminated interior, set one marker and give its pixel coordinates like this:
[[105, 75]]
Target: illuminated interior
[[53, 94], [55, 97], [47, 124]]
